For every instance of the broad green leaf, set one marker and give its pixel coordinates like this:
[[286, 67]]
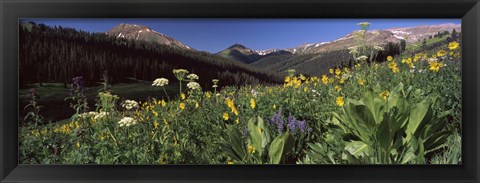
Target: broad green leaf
[[409, 156], [236, 142], [384, 136], [279, 147], [436, 141], [357, 148], [421, 113], [255, 135]]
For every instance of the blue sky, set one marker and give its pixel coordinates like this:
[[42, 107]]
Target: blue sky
[[214, 35]]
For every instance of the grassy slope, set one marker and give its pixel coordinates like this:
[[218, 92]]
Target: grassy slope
[[417, 46], [55, 108]]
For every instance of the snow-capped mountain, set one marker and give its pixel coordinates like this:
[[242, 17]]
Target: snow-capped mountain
[[412, 34], [378, 37], [141, 32]]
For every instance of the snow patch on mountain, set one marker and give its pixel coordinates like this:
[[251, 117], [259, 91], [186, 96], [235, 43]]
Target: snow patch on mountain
[[398, 37]]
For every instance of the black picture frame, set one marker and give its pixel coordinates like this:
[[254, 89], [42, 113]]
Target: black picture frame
[[467, 10]]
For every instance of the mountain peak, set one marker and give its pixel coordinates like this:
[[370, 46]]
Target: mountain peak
[[131, 27], [240, 53], [237, 45], [145, 33]]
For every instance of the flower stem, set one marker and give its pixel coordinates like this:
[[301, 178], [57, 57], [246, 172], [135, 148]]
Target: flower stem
[[180, 86], [165, 91]]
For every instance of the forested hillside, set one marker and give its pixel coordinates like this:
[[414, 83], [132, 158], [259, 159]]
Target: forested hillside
[[318, 64], [57, 54]]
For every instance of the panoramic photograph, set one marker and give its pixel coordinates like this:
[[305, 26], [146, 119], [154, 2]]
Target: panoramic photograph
[[239, 91]]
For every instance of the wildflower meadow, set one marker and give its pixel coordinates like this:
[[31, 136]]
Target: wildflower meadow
[[405, 109]]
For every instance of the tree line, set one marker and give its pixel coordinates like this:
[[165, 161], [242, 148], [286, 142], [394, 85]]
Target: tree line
[[319, 64], [57, 54]]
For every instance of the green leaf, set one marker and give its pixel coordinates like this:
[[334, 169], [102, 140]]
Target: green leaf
[[419, 115], [357, 148], [257, 140], [409, 156], [383, 136], [436, 141], [279, 147], [234, 145]]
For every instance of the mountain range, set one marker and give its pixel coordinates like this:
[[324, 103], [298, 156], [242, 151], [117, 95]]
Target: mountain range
[[290, 57]]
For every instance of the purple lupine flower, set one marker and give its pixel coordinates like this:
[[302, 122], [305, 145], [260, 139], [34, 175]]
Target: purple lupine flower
[[275, 117], [78, 82], [277, 120], [295, 125], [292, 123], [302, 125], [77, 85]]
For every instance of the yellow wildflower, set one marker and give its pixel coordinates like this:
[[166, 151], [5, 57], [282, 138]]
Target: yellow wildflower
[[252, 103], [441, 53], [237, 121], [296, 82], [231, 105], [164, 103], [325, 79], [341, 81], [435, 66], [393, 66], [196, 104], [361, 82], [385, 94], [274, 106], [389, 58], [305, 89], [77, 144], [183, 96], [251, 150], [155, 124], [181, 105], [417, 57], [337, 88], [346, 69], [230, 162], [338, 71], [302, 77], [357, 66], [453, 45], [287, 79], [155, 113], [208, 95], [340, 101], [331, 80], [330, 70], [395, 70], [409, 62], [225, 116]]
